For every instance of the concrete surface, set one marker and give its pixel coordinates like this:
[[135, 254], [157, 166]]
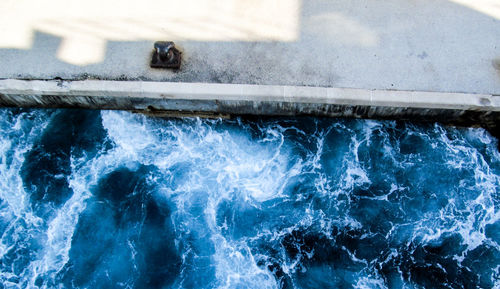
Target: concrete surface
[[244, 92], [176, 98], [425, 45]]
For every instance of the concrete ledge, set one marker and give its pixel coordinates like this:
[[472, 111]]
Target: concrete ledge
[[235, 99], [243, 92]]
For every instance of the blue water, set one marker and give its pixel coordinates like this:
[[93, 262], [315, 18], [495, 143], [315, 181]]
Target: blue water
[[111, 199]]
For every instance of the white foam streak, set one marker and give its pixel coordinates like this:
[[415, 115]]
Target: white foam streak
[[236, 266], [355, 175], [369, 283]]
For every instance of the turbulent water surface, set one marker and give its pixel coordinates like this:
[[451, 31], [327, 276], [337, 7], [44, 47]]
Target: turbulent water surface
[[109, 199]]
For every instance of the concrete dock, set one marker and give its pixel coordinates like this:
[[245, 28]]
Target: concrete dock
[[391, 59]]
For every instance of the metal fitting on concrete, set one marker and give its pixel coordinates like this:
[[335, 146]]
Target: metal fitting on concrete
[[165, 55]]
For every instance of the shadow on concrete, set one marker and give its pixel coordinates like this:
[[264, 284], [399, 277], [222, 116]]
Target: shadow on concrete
[[405, 45]]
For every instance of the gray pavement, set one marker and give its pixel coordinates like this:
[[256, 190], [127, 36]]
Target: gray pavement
[[428, 45]]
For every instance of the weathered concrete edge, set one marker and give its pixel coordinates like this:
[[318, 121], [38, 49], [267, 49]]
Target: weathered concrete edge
[[243, 99], [244, 92]]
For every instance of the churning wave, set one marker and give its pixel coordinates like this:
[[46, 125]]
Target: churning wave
[[110, 199]]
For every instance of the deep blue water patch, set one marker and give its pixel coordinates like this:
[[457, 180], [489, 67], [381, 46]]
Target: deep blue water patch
[[106, 199]]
